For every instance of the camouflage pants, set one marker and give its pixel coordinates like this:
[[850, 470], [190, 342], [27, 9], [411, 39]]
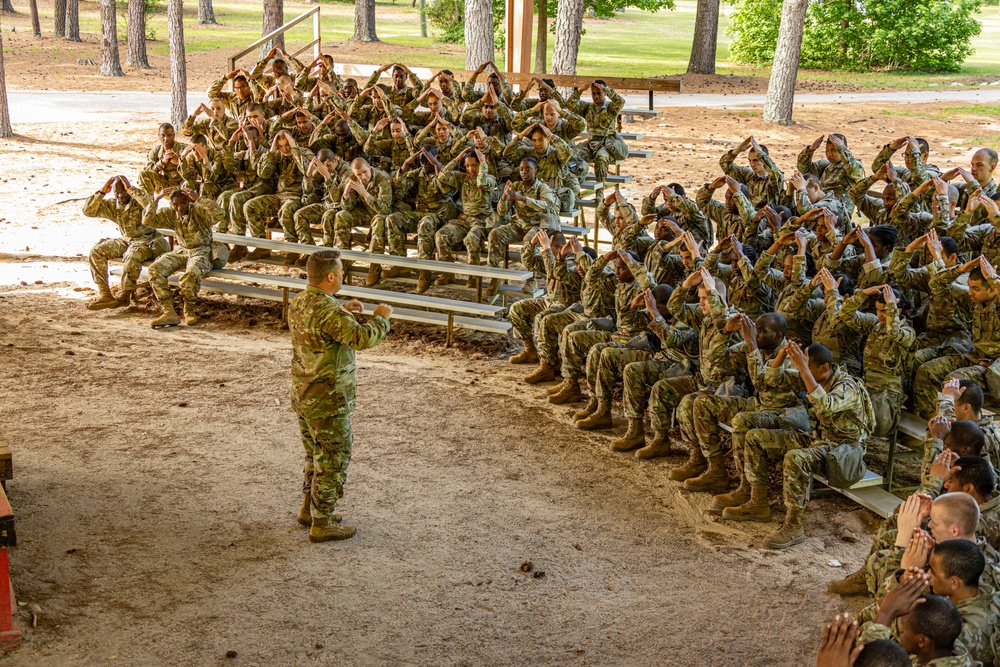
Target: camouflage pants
[[709, 410], [602, 153], [232, 203], [132, 254], [612, 361], [502, 236], [932, 374], [674, 393], [305, 219], [577, 340], [744, 422], [523, 314], [152, 182], [345, 221], [931, 346], [195, 264], [425, 223], [638, 379], [799, 456], [548, 330], [259, 209], [459, 230], [327, 442]]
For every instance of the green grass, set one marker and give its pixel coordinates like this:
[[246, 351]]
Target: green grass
[[987, 110], [987, 141], [634, 43]]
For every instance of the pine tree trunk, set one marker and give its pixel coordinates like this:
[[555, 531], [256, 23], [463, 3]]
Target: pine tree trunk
[[542, 39], [36, 25], [59, 17], [73, 20], [364, 21], [206, 13], [784, 70], [137, 35], [6, 6], [110, 64], [423, 18], [706, 35], [478, 33], [178, 68], [274, 18], [569, 24], [5, 128]]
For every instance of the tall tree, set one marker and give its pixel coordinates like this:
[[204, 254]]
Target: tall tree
[[206, 13], [36, 25], [706, 36], [110, 64], [569, 25], [274, 18], [5, 128], [781, 87], [137, 35], [542, 38], [478, 32], [73, 20], [178, 68], [59, 17], [5, 6], [364, 21]]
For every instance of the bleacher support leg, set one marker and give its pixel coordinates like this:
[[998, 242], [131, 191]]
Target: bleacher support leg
[[451, 330], [651, 100], [479, 289], [891, 463], [284, 304]]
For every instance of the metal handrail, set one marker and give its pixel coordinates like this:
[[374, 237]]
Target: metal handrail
[[314, 12]]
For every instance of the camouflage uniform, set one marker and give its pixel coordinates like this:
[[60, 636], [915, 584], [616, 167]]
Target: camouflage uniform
[[845, 416], [432, 208], [471, 95], [389, 153], [500, 127], [976, 365], [834, 178], [417, 120], [244, 167], [355, 212], [289, 170], [991, 433], [626, 238], [830, 201], [764, 189], [324, 381], [447, 150], [862, 272], [874, 631], [539, 210], [824, 313], [689, 217], [398, 96], [745, 291], [139, 243], [873, 208], [237, 107], [888, 356], [982, 239], [216, 130], [209, 178], [477, 218], [597, 298], [921, 172], [740, 223], [560, 293], [192, 247], [568, 128], [603, 145], [328, 193], [909, 218], [799, 329], [980, 617], [552, 167], [155, 177]]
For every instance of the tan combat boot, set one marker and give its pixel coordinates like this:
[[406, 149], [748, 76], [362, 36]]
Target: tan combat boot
[[105, 300], [634, 437], [694, 466], [302, 261], [325, 530], [599, 419], [374, 275], [587, 410], [554, 389], [716, 478], [790, 533], [493, 287], [291, 258], [190, 317], [125, 298], [169, 317], [443, 279], [259, 253], [395, 272], [529, 355], [236, 254], [544, 373], [305, 516], [470, 282], [423, 281], [855, 583], [754, 509], [658, 446], [569, 392], [733, 499]]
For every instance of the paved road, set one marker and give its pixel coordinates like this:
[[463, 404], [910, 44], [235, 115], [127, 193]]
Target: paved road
[[78, 106]]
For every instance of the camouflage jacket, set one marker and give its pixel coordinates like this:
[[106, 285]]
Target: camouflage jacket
[[985, 317], [764, 189], [602, 121], [949, 309], [397, 153], [678, 343], [980, 616], [913, 221], [194, 230], [689, 217], [324, 338], [236, 106], [873, 208], [560, 282], [169, 171], [712, 340], [739, 224], [597, 294], [874, 631], [746, 292], [127, 217], [568, 128], [380, 189], [629, 322], [288, 170], [827, 328], [888, 353], [551, 164], [421, 189], [983, 239], [216, 130], [476, 193], [540, 207], [776, 388], [991, 430], [844, 411], [833, 178], [921, 172]]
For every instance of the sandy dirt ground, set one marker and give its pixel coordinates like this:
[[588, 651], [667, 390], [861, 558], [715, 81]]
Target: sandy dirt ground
[[157, 473]]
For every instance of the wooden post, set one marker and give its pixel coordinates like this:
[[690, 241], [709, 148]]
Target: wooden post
[[451, 329], [520, 21], [284, 304]]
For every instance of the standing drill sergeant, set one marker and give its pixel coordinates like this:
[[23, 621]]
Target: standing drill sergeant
[[837, 173], [844, 412], [532, 206], [192, 220], [763, 178], [325, 335], [603, 146], [163, 162], [367, 195], [287, 163], [477, 187], [137, 244]]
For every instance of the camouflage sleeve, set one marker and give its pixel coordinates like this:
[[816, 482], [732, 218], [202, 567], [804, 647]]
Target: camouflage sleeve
[[874, 631], [853, 168], [647, 207], [575, 123], [883, 156], [677, 305], [546, 201], [616, 102], [773, 173], [868, 205], [729, 168], [565, 272], [766, 274], [268, 165], [97, 206], [643, 278], [562, 149], [930, 483], [897, 330], [832, 302], [945, 407], [521, 120], [516, 147], [919, 173], [215, 90], [574, 104], [671, 337], [805, 165], [343, 328], [712, 209], [468, 117], [381, 202], [828, 405], [747, 213], [940, 285]]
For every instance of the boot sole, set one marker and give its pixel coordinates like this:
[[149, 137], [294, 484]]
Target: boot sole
[[595, 427], [624, 447], [791, 543], [720, 507], [564, 401], [165, 325], [686, 477], [657, 454]]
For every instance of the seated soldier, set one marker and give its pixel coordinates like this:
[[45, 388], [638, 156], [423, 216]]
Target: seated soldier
[[137, 244], [243, 158], [878, 210], [552, 155], [963, 399], [238, 101], [763, 178], [840, 648], [162, 162], [978, 179], [824, 315], [192, 220], [281, 97], [975, 476], [367, 194], [745, 290], [532, 206], [440, 135], [278, 67], [837, 173], [203, 168], [604, 146], [688, 214], [368, 108], [496, 82], [217, 126], [976, 365], [735, 217], [870, 267], [808, 194], [845, 417], [938, 215], [390, 153], [624, 224], [796, 270], [546, 92], [399, 93], [490, 115], [982, 238], [286, 163], [916, 169], [437, 105], [323, 185]]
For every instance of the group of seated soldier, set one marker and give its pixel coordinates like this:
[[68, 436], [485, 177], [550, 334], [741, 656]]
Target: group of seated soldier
[[296, 143]]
